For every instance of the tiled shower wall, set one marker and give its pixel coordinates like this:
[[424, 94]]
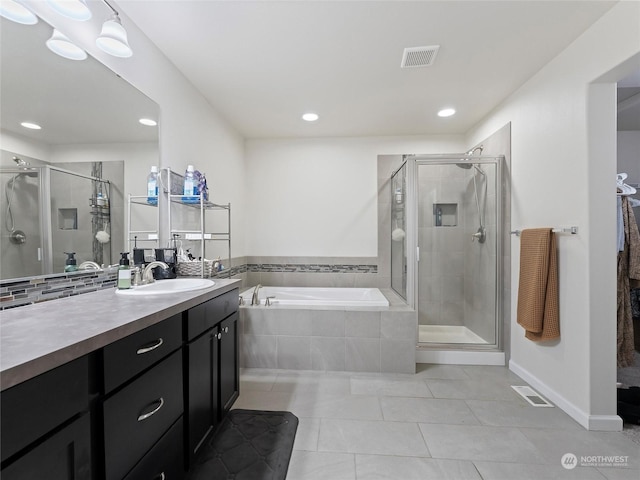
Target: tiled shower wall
[[499, 143]]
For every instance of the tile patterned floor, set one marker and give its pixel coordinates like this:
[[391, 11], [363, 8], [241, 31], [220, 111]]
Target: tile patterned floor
[[443, 423]]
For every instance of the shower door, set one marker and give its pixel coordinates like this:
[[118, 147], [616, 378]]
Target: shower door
[[457, 268], [21, 213]]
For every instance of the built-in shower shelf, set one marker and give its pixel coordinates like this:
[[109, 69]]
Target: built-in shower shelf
[[445, 214]]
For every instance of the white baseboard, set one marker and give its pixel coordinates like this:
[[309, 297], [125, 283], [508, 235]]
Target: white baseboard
[[606, 423], [458, 357]]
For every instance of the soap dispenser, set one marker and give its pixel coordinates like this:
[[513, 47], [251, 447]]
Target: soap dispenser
[[124, 272], [70, 265]]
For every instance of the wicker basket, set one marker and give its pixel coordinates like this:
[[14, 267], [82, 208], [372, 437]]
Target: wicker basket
[[194, 269]]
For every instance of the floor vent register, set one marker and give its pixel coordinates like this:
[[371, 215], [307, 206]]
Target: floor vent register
[[531, 396]]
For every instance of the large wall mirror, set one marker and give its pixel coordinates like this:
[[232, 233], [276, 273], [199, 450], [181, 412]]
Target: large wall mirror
[[50, 201]]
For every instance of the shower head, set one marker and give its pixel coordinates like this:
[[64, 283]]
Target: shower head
[[20, 162], [467, 166]]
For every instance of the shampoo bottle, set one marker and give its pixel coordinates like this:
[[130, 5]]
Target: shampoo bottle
[[190, 186], [152, 186], [124, 272], [70, 265]]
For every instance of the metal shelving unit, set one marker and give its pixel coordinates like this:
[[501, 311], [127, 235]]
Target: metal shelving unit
[[173, 187], [143, 236]]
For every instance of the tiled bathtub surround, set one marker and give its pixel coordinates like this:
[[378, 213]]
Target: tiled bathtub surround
[[376, 339], [275, 271], [312, 271], [24, 291]]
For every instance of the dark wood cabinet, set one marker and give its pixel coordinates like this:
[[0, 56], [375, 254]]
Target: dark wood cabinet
[[211, 368], [199, 391], [45, 425], [65, 455], [136, 409], [165, 460], [138, 415], [228, 364], [128, 357]]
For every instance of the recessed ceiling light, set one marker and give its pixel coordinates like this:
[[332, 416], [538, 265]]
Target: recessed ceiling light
[[446, 112], [148, 122], [310, 117], [32, 126]]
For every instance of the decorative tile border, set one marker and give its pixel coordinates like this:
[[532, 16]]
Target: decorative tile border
[[309, 268], [25, 291]]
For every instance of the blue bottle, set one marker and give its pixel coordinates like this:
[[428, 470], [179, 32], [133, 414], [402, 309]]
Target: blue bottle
[[152, 186], [190, 192]]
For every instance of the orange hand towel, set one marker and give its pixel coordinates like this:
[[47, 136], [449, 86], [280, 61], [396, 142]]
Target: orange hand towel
[[538, 305]]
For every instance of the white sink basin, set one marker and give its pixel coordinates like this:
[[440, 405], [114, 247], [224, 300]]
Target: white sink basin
[[174, 285]]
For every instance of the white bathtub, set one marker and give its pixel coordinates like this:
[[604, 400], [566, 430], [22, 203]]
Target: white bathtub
[[312, 296]]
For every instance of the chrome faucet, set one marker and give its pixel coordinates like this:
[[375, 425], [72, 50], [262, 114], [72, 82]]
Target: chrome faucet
[[254, 298], [147, 274], [89, 265]]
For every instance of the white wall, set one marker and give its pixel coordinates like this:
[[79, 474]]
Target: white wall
[[12, 142], [318, 197], [191, 131], [563, 173]]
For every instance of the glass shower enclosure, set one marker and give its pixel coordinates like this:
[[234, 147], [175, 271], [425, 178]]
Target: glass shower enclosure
[[47, 211], [446, 251]]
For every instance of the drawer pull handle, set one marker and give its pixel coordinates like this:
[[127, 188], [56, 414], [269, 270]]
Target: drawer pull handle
[[151, 347], [144, 416]]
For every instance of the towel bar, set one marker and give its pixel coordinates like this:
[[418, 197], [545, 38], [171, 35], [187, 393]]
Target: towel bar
[[571, 230]]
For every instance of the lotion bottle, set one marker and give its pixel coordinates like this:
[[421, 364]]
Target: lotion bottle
[[70, 264], [124, 272]]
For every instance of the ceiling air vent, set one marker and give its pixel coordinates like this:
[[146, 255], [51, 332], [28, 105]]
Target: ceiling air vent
[[419, 56]]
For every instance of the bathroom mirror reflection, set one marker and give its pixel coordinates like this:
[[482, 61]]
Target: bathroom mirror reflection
[[90, 124]]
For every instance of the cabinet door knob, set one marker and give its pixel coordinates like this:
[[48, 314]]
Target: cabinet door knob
[[218, 335], [150, 347], [144, 416], [161, 476], [225, 329]]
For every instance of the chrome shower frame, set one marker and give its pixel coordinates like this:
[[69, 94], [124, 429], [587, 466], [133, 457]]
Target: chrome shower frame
[[45, 250], [413, 253]]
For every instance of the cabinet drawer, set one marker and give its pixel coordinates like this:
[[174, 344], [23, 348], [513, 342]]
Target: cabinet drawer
[[197, 321], [165, 460], [35, 407], [204, 316], [65, 455], [127, 357], [138, 415], [221, 307]]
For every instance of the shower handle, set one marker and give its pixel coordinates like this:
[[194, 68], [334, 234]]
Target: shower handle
[[481, 235]]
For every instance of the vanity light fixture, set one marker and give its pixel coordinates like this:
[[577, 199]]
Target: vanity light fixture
[[113, 38], [310, 117], [74, 9], [16, 12], [60, 44], [446, 112], [148, 122], [31, 125]]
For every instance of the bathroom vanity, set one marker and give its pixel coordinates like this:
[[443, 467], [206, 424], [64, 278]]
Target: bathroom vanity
[[104, 386]]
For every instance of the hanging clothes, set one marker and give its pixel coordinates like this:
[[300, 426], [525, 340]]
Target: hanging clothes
[[628, 278]]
